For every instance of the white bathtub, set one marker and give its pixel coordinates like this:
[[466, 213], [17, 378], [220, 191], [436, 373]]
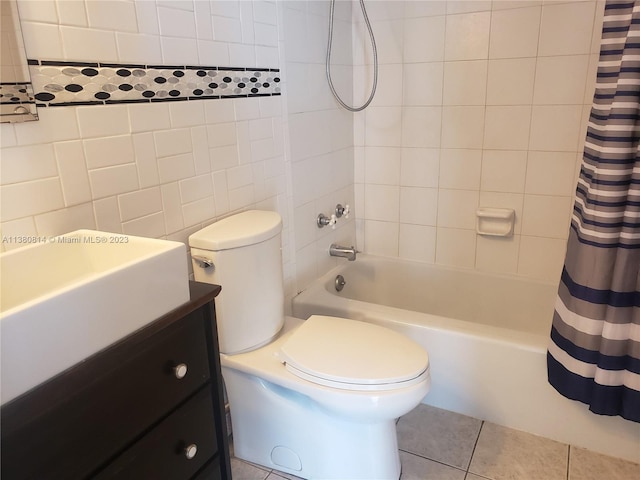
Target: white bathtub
[[486, 336]]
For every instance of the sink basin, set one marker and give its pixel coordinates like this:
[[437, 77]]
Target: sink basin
[[64, 298]]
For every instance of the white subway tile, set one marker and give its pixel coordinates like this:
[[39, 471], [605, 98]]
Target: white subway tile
[[200, 144], [110, 15], [145, 157], [176, 23], [140, 203], [172, 142], [204, 24], [179, 51], [227, 29], [108, 151], [67, 220], [73, 172], [87, 44], [213, 53], [54, 125], [107, 215], [101, 121], [30, 198], [109, 181], [223, 157], [172, 207], [22, 164], [220, 111], [149, 117], [136, 48], [146, 16], [422, 83], [246, 109], [196, 188], [186, 114], [34, 11], [220, 190], [42, 40], [72, 13], [151, 226], [242, 197], [176, 167], [198, 211], [222, 134]]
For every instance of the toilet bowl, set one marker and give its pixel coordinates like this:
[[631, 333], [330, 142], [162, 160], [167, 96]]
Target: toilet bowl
[[316, 398]]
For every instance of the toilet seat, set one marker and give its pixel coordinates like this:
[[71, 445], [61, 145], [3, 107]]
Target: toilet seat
[[353, 355]]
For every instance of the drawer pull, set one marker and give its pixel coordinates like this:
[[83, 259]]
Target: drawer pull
[[180, 371], [190, 451]]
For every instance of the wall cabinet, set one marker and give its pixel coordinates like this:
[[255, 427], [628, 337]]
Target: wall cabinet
[[148, 407]]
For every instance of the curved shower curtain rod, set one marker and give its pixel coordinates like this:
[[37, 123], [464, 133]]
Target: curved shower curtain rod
[[375, 60]]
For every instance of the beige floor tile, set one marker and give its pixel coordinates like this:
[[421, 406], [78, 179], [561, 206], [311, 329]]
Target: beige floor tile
[[506, 454], [473, 476], [418, 468], [587, 465], [245, 471], [439, 435]]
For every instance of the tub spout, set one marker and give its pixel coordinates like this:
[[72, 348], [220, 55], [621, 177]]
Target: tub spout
[[349, 253]]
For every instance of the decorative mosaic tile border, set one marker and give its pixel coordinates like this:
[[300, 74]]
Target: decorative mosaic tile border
[[80, 83], [16, 93]]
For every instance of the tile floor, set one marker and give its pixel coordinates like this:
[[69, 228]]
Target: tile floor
[[436, 444]]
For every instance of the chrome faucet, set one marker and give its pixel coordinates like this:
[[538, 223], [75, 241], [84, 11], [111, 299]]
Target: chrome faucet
[[349, 253]]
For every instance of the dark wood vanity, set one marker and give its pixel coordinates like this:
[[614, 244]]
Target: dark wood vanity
[[147, 407]]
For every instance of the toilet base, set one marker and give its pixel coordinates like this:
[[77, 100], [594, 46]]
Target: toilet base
[[287, 431]]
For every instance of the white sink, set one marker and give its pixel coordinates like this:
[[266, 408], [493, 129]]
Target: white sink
[[64, 298]]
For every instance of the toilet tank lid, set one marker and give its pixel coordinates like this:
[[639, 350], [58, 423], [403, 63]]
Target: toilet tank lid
[[246, 228]]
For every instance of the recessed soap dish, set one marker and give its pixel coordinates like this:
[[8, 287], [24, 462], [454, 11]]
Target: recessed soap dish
[[496, 222]]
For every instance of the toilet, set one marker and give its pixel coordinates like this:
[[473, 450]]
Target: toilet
[[316, 398]]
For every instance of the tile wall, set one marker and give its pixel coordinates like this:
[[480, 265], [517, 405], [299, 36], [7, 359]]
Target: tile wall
[[320, 132], [156, 169], [479, 104]]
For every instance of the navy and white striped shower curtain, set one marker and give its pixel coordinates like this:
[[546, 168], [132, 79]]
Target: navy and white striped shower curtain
[[594, 353]]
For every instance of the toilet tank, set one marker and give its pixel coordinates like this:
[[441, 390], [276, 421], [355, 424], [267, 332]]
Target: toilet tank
[[247, 262]]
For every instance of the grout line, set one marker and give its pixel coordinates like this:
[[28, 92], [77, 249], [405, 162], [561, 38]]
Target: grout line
[[474, 447], [431, 460], [568, 460]]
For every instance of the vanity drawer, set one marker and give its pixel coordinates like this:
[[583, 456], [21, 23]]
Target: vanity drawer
[[176, 449], [82, 420]]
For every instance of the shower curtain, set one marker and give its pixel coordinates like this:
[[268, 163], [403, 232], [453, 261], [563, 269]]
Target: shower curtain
[[594, 352]]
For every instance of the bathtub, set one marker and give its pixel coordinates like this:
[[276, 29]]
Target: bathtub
[[486, 335]]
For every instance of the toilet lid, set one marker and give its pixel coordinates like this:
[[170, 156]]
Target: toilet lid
[[353, 355]]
